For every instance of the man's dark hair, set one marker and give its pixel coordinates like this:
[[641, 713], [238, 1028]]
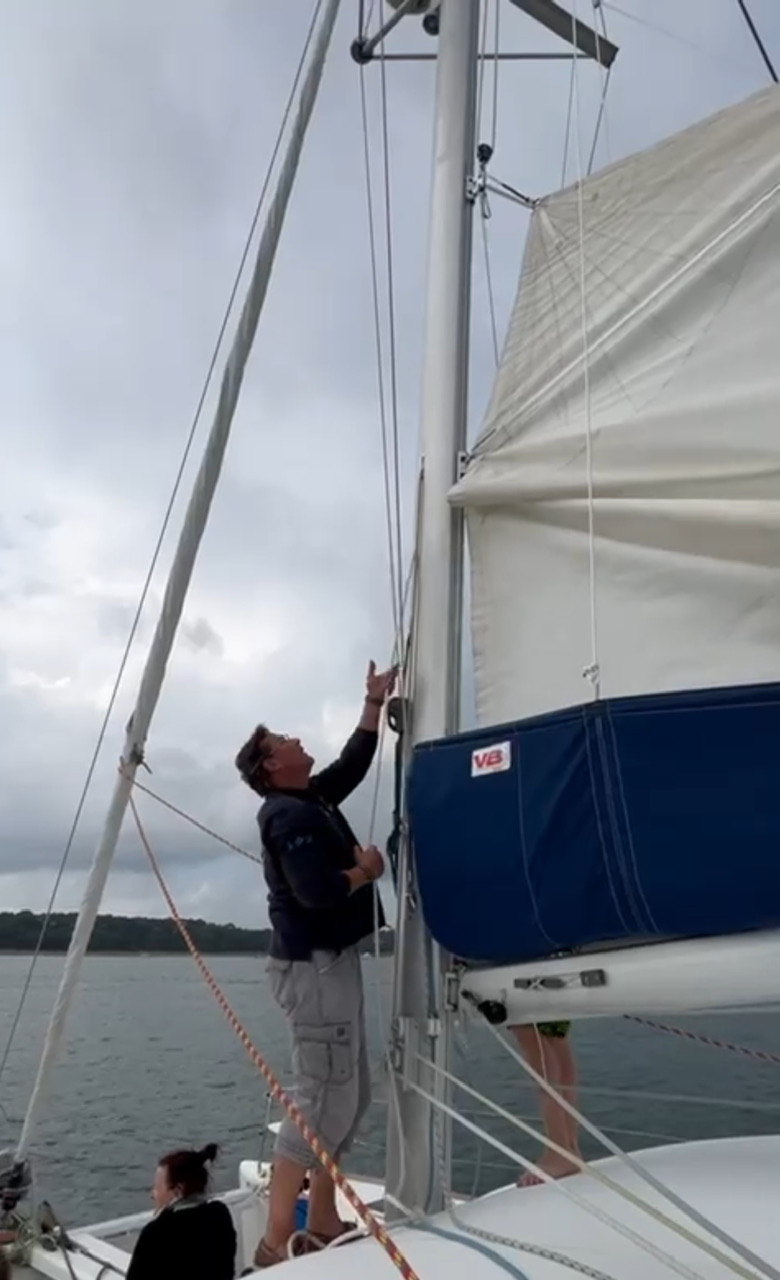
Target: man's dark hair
[[251, 759]]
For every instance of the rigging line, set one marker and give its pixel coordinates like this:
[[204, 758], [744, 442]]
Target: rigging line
[[483, 59], [560, 1184], [594, 1171], [478, 1162], [200, 826], [683, 1099], [392, 329], [496, 66], [757, 38], [522, 1246], [601, 115], [482, 64], [490, 290], [641, 1172], [230, 844], [394, 569], [701, 50], [567, 135], [157, 548], [503, 1264], [398, 657], [373, 1225], [592, 671], [759, 1055]]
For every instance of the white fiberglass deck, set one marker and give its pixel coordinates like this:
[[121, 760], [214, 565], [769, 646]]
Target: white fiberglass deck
[[734, 1181]]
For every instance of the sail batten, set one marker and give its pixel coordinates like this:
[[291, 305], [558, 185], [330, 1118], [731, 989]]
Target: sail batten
[[681, 250]]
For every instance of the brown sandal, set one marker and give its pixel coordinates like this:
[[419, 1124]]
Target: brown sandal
[[265, 1256]]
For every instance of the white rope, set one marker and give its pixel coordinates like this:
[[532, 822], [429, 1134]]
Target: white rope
[[390, 449], [491, 1237], [391, 338], [394, 568], [484, 57], [482, 65], [591, 671], [641, 1172], [516, 1158], [623, 1192], [496, 70]]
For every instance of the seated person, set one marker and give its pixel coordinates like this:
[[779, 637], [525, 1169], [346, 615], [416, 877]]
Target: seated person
[[190, 1235]]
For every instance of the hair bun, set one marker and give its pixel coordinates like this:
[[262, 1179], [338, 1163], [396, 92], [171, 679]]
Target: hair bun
[[209, 1153]]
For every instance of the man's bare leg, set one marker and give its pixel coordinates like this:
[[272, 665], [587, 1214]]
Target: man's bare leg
[[552, 1058], [286, 1182]]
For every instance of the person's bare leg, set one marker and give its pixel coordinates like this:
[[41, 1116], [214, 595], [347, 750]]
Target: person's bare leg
[[323, 1219], [551, 1057], [566, 1074], [286, 1182]]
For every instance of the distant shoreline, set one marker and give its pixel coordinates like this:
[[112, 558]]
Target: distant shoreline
[[21, 933], [151, 955]]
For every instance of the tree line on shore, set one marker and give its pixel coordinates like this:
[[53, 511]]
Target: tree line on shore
[[20, 931]]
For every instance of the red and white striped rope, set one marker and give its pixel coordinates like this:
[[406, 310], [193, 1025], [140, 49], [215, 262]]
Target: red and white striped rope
[[760, 1055], [277, 1092]]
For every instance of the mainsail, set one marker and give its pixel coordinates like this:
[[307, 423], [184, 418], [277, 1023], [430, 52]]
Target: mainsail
[[623, 508], [674, 254]]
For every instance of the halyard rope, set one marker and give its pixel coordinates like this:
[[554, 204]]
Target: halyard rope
[[277, 1092]]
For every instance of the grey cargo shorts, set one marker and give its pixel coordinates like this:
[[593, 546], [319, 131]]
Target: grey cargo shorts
[[323, 1001]]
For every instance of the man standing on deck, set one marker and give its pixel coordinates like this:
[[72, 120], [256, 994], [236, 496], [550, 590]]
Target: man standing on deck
[[321, 904]]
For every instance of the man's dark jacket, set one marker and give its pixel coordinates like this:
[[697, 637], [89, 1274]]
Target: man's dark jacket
[[307, 845]]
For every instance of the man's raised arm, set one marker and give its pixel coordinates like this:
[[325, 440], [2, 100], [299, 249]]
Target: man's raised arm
[[340, 779]]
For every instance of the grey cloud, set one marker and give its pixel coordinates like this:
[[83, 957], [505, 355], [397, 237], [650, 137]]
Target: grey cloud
[[41, 518], [201, 636], [115, 617]]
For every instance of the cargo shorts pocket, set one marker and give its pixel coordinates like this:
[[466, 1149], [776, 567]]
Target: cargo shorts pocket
[[324, 1052]]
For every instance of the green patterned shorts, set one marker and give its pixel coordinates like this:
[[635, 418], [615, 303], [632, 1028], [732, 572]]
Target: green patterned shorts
[[555, 1030]]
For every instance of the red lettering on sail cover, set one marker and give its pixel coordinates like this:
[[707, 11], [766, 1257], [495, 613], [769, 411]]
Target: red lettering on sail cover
[[495, 759]]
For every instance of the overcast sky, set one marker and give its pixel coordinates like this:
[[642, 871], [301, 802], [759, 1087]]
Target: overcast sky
[[134, 138]]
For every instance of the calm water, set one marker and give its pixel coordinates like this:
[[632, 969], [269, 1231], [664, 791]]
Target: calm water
[[150, 1064]]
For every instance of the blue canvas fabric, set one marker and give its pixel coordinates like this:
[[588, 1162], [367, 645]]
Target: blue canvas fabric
[[642, 817]]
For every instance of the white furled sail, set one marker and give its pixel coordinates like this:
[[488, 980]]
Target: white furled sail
[[662, 445], [623, 509]]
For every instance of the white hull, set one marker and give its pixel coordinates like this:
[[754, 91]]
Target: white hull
[[666, 977], [734, 1181]]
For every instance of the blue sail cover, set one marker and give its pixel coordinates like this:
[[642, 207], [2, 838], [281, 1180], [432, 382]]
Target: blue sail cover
[[622, 819]]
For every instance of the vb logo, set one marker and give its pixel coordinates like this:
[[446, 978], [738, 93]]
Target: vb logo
[[495, 759]]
